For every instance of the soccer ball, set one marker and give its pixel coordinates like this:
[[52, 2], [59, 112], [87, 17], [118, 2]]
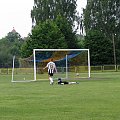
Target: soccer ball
[[77, 74]]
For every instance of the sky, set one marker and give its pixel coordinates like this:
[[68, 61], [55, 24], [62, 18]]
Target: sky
[[16, 14]]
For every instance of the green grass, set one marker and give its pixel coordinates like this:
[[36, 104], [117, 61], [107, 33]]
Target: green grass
[[97, 98]]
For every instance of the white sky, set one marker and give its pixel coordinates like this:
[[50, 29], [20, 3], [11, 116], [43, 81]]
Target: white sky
[[16, 13]]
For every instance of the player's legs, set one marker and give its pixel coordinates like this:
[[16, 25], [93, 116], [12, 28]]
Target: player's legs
[[51, 78], [73, 82]]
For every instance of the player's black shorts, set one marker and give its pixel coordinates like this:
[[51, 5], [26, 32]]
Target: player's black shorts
[[50, 74]]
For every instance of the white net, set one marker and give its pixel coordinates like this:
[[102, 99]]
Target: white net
[[22, 72]]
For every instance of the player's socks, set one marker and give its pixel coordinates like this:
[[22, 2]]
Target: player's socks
[[51, 80]]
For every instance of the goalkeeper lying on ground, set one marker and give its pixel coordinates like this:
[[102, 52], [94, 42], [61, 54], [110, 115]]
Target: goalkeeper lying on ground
[[60, 82]]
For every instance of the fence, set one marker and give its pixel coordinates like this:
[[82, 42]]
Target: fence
[[103, 68]]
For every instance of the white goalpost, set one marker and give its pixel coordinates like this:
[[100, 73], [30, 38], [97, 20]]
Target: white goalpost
[[71, 64], [13, 69]]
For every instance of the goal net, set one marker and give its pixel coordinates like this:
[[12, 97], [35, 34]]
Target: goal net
[[23, 70], [70, 63]]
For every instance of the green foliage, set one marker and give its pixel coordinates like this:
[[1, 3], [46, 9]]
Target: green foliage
[[5, 59], [45, 35], [12, 36], [9, 46], [67, 30], [100, 48], [49, 9], [80, 41], [103, 16]]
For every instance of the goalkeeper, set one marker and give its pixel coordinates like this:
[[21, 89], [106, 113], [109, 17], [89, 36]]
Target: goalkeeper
[[60, 82], [51, 67]]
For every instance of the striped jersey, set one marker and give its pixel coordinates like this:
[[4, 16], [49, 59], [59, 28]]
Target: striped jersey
[[51, 67]]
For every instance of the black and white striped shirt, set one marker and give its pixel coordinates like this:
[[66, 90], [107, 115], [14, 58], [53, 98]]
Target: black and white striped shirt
[[51, 67]]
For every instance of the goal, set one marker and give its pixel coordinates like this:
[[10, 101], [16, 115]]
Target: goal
[[71, 64]]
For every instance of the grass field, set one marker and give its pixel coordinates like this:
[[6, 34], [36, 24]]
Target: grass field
[[97, 98]]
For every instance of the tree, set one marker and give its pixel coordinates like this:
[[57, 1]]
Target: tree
[[49, 9], [66, 29], [12, 36], [100, 48], [15, 41], [80, 41], [103, 16], [62, 12], [10, 45], [45, 35]]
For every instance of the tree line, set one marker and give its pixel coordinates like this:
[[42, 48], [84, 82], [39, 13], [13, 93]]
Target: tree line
[[102, 26], [55, 24]]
